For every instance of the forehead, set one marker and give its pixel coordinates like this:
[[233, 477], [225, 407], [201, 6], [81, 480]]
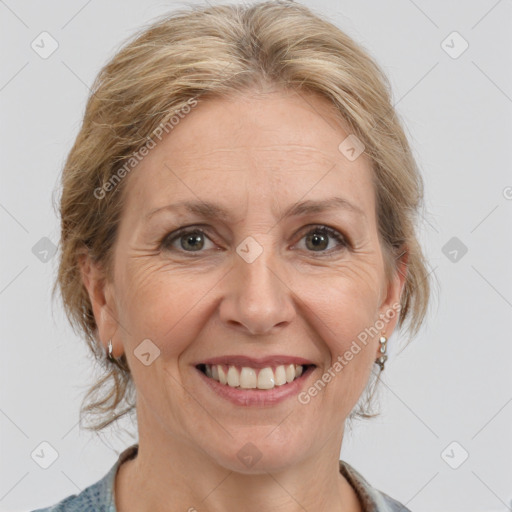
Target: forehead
[[282, 143]]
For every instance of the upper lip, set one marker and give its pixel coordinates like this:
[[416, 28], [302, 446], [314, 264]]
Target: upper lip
[[256, 362]]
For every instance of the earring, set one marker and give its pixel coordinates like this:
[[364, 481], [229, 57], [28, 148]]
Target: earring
[[383, 358], [110, 356]]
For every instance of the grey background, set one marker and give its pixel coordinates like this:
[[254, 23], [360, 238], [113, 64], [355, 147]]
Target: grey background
[[453, 382]]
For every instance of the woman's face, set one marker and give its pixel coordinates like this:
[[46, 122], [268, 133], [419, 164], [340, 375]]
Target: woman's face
[[271, 277]]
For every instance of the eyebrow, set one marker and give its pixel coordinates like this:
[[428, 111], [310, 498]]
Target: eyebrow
[[214, 211]]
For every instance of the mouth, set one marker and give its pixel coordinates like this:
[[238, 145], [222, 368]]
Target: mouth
[[255, 377]]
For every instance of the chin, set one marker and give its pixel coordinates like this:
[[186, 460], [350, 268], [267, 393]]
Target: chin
[[260, 453]]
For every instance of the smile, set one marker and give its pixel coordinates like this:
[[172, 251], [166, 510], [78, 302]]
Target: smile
[[246, 377]]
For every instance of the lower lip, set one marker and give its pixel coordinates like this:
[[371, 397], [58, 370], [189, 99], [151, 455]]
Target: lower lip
[[261, 397]]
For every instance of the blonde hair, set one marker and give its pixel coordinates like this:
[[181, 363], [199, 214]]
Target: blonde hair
[[202, 52]]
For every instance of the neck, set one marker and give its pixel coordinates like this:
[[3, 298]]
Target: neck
[[171, 471]]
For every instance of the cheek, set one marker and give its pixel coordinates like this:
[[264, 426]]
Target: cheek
[[164, 305], [343, 318], [346, 304]]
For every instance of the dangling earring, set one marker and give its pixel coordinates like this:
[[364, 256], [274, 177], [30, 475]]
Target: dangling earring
[[383, 358]]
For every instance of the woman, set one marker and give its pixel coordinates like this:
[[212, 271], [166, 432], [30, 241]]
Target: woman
[[238, 237]]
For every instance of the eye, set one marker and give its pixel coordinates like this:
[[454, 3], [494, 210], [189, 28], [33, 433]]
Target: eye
[[317, 239], [190, 240], [193, 240]]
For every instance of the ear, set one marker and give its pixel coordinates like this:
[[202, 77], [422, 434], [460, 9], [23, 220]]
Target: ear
[[389, 309], [101, 295]]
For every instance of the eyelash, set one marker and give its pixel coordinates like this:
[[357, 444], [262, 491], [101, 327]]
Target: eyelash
[[166, 242]]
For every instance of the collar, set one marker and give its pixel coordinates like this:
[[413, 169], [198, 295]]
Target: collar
[[372, 499]]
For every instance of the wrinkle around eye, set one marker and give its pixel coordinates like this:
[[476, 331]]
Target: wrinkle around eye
[[164, 240], [150, 261]]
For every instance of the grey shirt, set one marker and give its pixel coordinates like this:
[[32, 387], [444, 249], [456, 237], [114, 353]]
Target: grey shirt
[[99, 497]]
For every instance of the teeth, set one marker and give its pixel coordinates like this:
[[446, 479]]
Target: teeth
[[290, 372], [248, 378], [251, 378], [233, 377], [222, 374], [266, 379], [280, 375]]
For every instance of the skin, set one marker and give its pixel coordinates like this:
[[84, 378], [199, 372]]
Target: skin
[[255, 154]]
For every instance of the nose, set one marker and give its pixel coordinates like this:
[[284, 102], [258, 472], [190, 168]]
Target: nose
[[257, 297]]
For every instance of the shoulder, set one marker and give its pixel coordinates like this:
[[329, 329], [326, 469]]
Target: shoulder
[[98, 496], [392, 504], [91, 498], [371, 498]]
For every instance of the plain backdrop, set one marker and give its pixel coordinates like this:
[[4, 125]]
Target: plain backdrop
[[446, 397]]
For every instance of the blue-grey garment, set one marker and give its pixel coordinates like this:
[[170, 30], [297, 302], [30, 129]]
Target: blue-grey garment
[[99, 497]]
